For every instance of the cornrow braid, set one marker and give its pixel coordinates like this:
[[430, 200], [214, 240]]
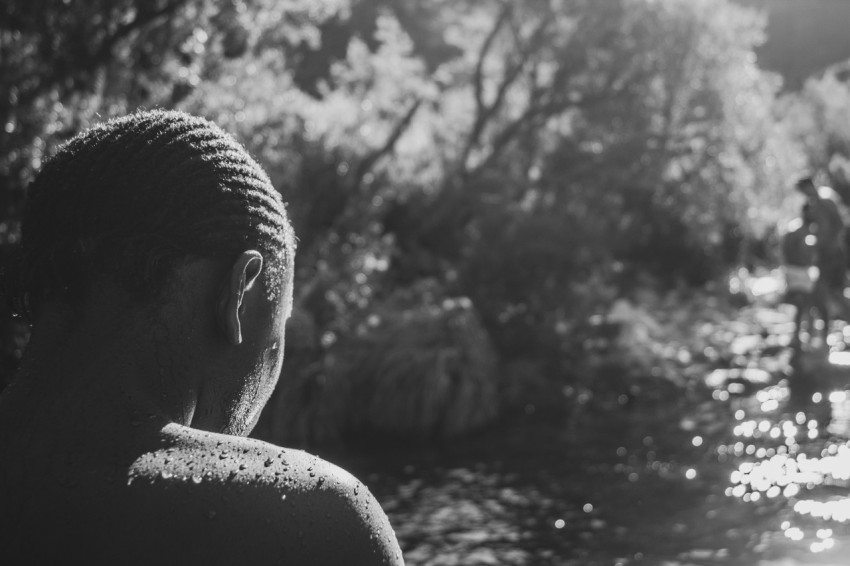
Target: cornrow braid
[[133, 196]]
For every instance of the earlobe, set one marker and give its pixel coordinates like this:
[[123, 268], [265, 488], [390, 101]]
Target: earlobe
[[241, 279]]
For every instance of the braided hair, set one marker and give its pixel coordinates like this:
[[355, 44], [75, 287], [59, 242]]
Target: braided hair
[[135, 195]]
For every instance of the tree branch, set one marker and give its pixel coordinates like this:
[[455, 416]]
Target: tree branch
[[486, 112], [533, 115], [369, 161], [478, 75]]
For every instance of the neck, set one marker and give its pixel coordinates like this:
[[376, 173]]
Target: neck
[[108, 366]]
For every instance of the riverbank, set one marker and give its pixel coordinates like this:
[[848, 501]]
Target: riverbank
[[735, 470]]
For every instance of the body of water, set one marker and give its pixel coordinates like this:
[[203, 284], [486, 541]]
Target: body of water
[[739, 472]]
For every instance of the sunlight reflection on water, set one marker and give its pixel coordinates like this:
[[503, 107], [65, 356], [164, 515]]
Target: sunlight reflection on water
[[754, 475], [795, 458], [840, 358]]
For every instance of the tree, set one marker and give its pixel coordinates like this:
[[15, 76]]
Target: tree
[[602, 137]]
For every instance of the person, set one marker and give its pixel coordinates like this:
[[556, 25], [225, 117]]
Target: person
[[156, 268], [829, 232], [799, 259]]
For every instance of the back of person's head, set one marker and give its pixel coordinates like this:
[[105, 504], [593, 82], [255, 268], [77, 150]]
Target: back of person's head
[[130, 198], [805, 182]]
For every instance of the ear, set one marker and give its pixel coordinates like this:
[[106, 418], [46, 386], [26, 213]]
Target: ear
[[242, 278]]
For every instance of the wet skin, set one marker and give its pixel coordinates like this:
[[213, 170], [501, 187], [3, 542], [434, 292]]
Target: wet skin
[[100, 464], [195, 497]]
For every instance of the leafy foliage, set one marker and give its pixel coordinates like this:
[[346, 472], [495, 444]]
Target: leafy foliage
[[535, 159], [818, 117]]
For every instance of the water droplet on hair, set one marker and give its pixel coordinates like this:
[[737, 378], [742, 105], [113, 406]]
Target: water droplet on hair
[[197, 479], [165, 474]]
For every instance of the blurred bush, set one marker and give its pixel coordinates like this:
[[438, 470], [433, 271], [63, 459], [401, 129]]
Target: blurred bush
[[418, 366]]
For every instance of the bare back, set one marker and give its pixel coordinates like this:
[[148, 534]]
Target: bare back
[[186, 497]]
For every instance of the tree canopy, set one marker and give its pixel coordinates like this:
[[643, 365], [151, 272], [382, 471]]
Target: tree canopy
[[531, 160]]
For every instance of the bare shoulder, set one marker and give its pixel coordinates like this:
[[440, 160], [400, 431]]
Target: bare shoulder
[[242, 499]]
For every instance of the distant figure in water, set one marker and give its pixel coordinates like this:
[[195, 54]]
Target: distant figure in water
[[829, 232], [804, 290], [156, 269]]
